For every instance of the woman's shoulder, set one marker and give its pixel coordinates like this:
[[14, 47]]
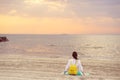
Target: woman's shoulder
[[78, 60], [70, 60], [74, 60]]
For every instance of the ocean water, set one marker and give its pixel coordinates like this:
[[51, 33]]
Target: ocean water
[[87, 46]]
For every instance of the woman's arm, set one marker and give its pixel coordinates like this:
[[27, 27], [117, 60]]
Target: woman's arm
[[67, 66], [80, 66]]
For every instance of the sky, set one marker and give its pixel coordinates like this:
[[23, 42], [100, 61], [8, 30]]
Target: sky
[[59, 16]]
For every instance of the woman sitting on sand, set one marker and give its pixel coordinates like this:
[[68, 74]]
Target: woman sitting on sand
[[74, 66]]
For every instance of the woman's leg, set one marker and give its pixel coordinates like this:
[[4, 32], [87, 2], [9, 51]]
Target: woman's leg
[[79, 73]]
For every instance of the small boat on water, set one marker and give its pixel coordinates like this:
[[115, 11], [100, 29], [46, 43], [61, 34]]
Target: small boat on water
[[3, 39]]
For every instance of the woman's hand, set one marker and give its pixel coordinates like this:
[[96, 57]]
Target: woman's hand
[[65, 72]]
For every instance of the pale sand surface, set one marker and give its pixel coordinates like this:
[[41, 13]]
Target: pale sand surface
[[24, 67]]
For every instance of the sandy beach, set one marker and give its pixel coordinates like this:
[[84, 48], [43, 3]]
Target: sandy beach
[[35, 67]]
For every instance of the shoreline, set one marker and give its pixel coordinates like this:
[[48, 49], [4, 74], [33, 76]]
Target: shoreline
[[21, 67]]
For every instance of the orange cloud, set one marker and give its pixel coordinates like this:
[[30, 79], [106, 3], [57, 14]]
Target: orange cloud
[[50, 25]]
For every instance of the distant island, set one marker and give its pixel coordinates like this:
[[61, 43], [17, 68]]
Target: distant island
[[3, 39]]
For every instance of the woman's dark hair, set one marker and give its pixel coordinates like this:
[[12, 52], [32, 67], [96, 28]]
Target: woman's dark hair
[[74, 54]]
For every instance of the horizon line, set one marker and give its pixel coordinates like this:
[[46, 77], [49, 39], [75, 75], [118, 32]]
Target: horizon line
[[59, 34]]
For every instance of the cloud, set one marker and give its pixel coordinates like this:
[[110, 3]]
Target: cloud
[[12, 12], [93, 8], [88, 10], [49, 8], [57, 25], [62, 8]]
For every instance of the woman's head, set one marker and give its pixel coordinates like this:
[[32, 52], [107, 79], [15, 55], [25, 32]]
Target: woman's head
[[74, 54]]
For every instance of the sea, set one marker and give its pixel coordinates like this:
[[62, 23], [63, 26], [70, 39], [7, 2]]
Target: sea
[[62, 45]]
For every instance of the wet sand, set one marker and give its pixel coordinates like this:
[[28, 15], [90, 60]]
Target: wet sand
[[35, 67]]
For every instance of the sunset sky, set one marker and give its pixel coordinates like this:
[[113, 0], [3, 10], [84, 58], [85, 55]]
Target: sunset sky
[[59, 16]]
